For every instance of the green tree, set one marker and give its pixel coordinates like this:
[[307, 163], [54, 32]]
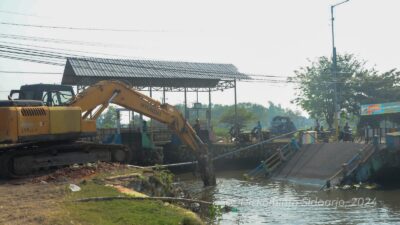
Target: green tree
[[108, 119], [377, 88], [243, 117], [316, 86]]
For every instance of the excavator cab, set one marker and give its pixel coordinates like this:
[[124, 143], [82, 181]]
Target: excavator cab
[[49, 94]]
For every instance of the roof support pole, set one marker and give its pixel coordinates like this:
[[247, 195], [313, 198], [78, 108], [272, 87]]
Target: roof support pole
[[185, 104], [197, 101], [236, 116], [141, 122], [150, 92], [151, 120], [163, 94], [209, 109]]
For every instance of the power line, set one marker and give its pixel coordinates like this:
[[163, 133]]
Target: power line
[[34, 52], [18, 52], [30, 59], [17, 55], [83, 28], [58, 73], [59, 41], [57, 58], [38, 52], [26, 72], [63, 49], [89, 53], [257, 80], [20, 14], [68, 42], [269, 82], [63, 41]]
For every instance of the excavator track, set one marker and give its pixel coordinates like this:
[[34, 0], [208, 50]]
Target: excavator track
[[21, 160]]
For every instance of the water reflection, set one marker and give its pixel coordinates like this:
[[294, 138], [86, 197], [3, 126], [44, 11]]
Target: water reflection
[[277, 202]]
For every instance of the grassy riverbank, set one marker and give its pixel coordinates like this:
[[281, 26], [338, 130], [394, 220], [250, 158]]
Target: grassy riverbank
[[121, 212], [49, 200]]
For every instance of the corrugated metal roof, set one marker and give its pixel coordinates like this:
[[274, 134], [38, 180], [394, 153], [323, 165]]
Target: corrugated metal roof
[[84, 71], [152, 69]]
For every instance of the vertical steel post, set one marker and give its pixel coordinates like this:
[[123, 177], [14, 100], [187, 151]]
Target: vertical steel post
[[209, 109], [197, 101], [236, 116], [163, 98], [185, 104], [151, 120], [141, 121], [118, 121]]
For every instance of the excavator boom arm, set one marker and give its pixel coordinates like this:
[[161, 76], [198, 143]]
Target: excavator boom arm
[[96, 98]]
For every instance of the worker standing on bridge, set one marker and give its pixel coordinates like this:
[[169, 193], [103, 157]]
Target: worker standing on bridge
[[235, 131], [257, 131], [144, 126], [196, 127], [317, 125], [346, 132]]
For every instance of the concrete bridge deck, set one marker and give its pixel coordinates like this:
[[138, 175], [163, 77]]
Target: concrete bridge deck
[[317, 163]]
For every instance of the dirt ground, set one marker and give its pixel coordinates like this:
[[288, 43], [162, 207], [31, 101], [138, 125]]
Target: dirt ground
[[47, 199], [33, 201], [29, 203]]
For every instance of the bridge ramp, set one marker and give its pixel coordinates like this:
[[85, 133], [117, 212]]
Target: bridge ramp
[[316, 163]]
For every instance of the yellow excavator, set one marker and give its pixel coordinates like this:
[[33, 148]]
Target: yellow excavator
[[47, 132]]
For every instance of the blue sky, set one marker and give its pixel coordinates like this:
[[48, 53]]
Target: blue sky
[[259, 37]]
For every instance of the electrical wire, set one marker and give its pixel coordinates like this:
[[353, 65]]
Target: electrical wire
[[33, 52], [270, 81], [39, 51], [27, 72], [63, 41], [83, 28], [58, 58], [59, 41], [63, 49], [56, 55], [20, 14], [49, 62], [174, 67]]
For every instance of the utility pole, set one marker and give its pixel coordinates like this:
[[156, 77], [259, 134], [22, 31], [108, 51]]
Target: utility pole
[[334, 71]]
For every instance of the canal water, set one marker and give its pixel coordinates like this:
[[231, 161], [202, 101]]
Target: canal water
[[280, 202]]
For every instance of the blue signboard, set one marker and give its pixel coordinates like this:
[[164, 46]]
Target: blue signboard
[[378, 109]]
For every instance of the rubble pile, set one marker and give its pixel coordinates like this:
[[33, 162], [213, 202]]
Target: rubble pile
[[78, 172]]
